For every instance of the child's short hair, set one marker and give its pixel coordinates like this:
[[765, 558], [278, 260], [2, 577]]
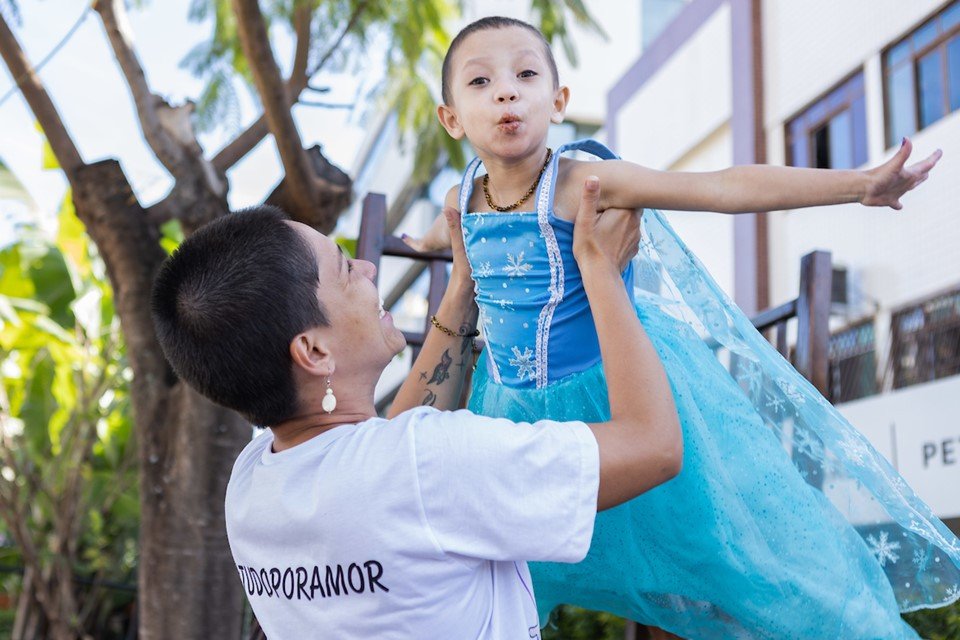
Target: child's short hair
[[491, 22], [227, 304]]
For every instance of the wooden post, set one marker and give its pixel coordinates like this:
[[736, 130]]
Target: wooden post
[[373, 224], [813, 319]]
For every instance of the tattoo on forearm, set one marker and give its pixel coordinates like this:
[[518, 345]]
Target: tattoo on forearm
[[466, 343], [441, 371], [429, 399], [423, 375]]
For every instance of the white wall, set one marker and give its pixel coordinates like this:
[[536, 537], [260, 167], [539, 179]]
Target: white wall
[[679, 120], [686, 100], [709, 235]]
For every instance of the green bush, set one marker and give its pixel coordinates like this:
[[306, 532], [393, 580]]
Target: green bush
[[574, 623], [936, 624]]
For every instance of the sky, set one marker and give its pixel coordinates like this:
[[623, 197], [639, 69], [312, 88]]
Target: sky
[[87, 88]]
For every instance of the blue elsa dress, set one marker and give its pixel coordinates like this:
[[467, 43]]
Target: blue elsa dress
[[784, 522]]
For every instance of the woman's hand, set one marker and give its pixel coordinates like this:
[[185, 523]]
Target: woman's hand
[[461, 268], [888, 182], [611, 236]]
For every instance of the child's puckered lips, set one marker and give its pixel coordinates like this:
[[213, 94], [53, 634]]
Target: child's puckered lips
[[509, 122]]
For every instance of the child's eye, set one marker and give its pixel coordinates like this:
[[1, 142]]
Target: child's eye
[[478, 81], [529, 73]]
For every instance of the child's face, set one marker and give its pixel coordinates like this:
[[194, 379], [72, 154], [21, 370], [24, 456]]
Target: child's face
[[503, 98]]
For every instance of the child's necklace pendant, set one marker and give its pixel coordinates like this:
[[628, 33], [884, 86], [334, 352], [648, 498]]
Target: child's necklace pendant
[[533, 187]]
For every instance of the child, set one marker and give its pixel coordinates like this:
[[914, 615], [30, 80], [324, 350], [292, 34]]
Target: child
[[749, 540]]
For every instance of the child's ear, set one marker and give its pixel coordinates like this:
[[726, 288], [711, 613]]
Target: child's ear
[[448, 118], [560, 101], [310, 354]]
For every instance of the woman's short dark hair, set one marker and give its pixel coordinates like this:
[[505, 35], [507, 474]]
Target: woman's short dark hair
[[491, 22], [227, 304]]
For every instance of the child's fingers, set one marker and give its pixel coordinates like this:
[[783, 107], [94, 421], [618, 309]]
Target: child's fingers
[[929, 162], [413, 243], [900, 157]]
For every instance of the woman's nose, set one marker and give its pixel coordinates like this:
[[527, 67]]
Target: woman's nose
[[368, 269]]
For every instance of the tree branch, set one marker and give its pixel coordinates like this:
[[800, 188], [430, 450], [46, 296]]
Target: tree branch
[[326, 105], [251, 137], [276, 102], [302, 15], [113, 14], [40, 103]]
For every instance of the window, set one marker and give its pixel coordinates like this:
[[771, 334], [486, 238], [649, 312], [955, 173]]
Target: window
[[832, 132], [655, 16], [926, 340], [853, 362], [921, 75]]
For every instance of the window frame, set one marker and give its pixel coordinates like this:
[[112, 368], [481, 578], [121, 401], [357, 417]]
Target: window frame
[[939, 42], [808, 128]]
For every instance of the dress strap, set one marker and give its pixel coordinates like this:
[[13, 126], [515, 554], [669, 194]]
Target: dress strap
[[549, 182], [466, 185]]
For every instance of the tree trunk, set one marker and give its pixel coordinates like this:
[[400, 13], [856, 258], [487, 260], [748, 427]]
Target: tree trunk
[[188, 586]]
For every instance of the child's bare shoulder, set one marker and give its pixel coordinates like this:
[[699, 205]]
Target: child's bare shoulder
[[452, 199], [571, 174]]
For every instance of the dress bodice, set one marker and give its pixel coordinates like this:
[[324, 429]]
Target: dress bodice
[[533, 307]]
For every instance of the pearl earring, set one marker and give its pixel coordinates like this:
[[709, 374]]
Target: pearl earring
[[329, 402]]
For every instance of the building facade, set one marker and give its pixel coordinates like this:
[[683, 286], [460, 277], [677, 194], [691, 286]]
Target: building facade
[[827, 85]]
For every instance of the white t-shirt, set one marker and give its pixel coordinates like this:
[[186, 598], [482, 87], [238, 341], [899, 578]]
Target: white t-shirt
[[416, 527]]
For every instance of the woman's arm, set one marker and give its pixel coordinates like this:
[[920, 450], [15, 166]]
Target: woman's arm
[[752, 188], [437, 375], [641, 446]]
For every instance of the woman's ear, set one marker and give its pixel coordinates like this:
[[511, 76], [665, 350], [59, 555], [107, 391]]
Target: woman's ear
[[448, 118], [560, 101], [310, 354]]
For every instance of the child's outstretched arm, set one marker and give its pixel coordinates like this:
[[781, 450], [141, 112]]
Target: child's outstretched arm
[[752, 188]]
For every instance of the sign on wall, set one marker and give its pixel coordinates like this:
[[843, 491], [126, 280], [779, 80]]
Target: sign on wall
[[918, 430]]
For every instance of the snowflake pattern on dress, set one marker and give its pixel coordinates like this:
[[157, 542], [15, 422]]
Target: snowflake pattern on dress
[[516, 267], [807, 443], [526, 367], [883, 548], [790, 390], [774, 403], [751, 376], [484, 271], [855, 449]]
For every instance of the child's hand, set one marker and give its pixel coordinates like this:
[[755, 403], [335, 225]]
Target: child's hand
[[436, 238], [891, 180]]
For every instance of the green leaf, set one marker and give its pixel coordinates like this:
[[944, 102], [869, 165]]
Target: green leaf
[[39, 405], [347, 244], [48, 159], [14, 280], [72, 239], [171, 235], [53, 286]]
